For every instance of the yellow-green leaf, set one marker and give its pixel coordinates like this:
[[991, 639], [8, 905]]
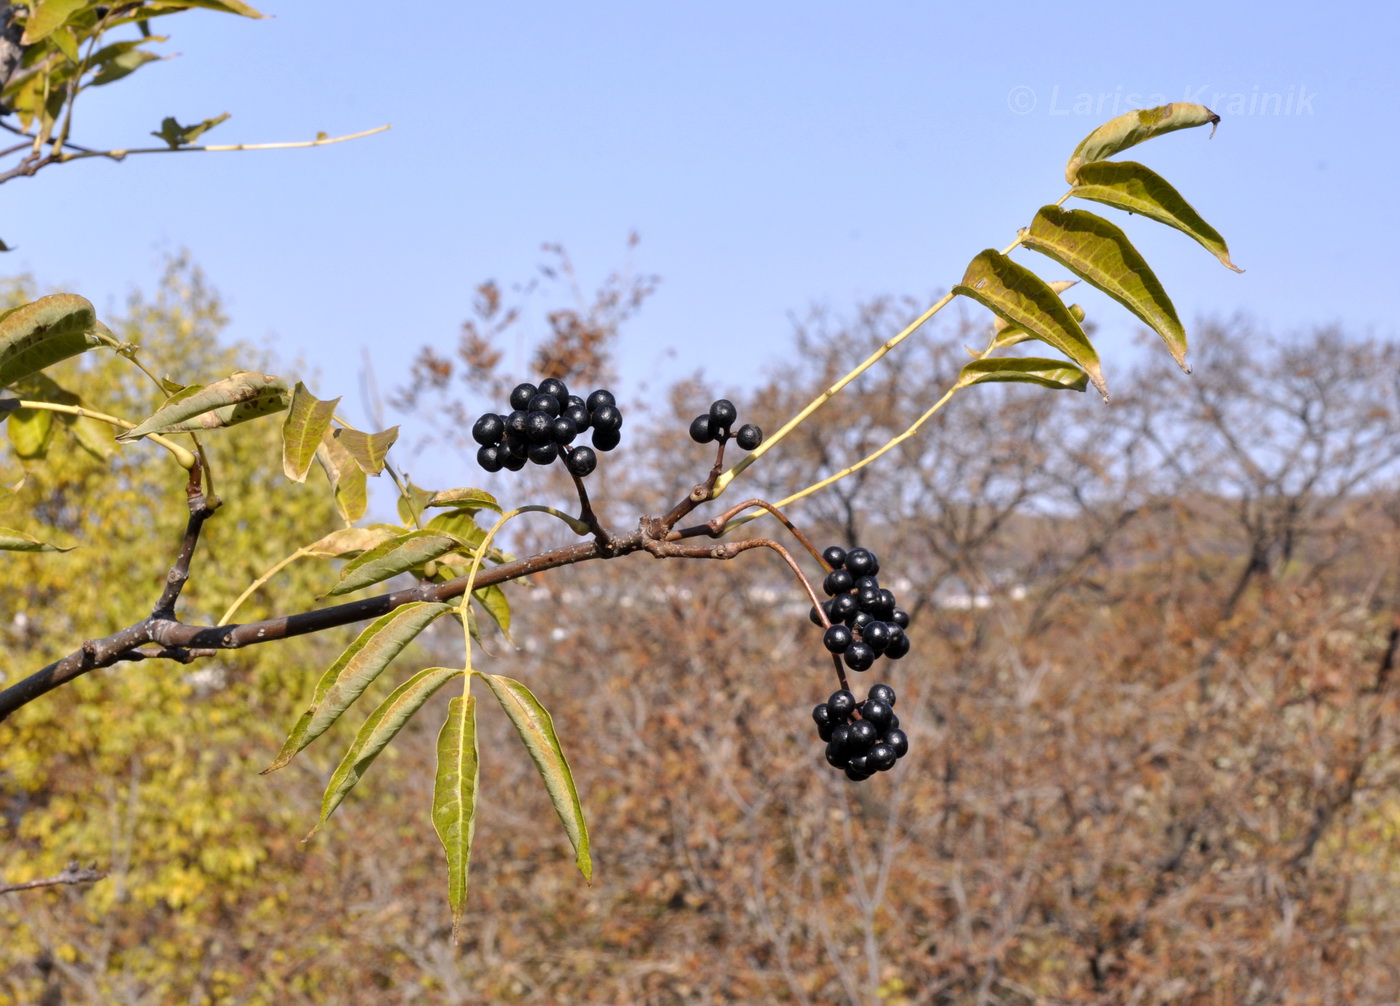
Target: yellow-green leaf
[[1135, 127], [536, 728], [454, 800], [18, 541], [1013, 292], [349, 542], [1136, 188], [30, 430], [368, 449], [378, 730], [1057, 374], [47, 16], [307, 420], [346, 679], [236, 399], [1011, 335], [1097, 251], [493, 601], [346, 479], [395, 556], [465, 499], [411, 505]]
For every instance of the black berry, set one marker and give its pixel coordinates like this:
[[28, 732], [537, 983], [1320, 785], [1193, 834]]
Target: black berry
[[859, 656], [837, 638], [841, 704], [722, 414], [581, 461], [489, 429], [838, 581], [898, 740], [555, 387], [881, 693], [520, 397], [563, 431], [606, 440], [700, 430], [862, 562], [749, 437], [543, 454], [600, 398], [492, 458], [834, 556], [876, 713], [547, 404]]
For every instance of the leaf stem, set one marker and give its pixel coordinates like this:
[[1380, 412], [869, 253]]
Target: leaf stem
[[184, 458]]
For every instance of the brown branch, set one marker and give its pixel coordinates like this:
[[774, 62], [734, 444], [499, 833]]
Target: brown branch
[[72, 874]]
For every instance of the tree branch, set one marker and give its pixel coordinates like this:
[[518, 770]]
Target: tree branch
[[72, 874]]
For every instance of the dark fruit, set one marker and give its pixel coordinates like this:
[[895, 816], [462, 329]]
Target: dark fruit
[[838, 581], [859, 656], [515, 422], [606, 417], [539, 427], [897, 648], [749, 437], [821, 715], [581, 461], [555, 387], [722, 414], [599, 398], [834, 556], [493, 458], [606, 440], [547, 404], [898, 740], [841, 704], [520, 397], [881, 757], [843, 606], [836, 755], [489, 429], [881, 693], [862, 562], [862, 737], [900, 618], [876, 635], [578, 414], [837, 638], [543, 454], [876, 713], [513, 463], [563, 431], [700, 430]]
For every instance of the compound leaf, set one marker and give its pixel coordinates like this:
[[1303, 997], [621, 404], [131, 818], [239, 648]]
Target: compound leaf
[[536, 728], [1096, 250], [1127, 185]]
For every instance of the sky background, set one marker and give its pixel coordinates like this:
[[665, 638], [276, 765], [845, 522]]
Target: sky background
[[772, 157]]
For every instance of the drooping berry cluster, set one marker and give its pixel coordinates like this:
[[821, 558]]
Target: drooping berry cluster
[[545, 421], [861, 738], [866, 622], [714, 426]]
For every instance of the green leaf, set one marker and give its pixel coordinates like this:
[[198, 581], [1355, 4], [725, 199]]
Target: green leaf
[[368, 449], [1094, 249], [1130, 186], [411, 506], [346, 679], [307, 420], [223, 6], [454, 800], [1021, 297], [346, 479], [493, 601], [47, 16], [382, 727], [536, 728], [465, 499], [177, 136], [53, 328], [1136, 127], [1011, 335], [236, 399], [349, 542], [1056, 374], [18, 541], [395, 556], [31, 431], [66, 42], [118, 65]]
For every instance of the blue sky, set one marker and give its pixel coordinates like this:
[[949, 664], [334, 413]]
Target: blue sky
[[772, 156]]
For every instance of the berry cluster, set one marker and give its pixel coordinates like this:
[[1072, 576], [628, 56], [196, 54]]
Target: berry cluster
[[864, 746], [714, 426], [865, 621], [545, 422]]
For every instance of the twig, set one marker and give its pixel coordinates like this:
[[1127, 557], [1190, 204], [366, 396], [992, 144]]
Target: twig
[[72, 874]]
